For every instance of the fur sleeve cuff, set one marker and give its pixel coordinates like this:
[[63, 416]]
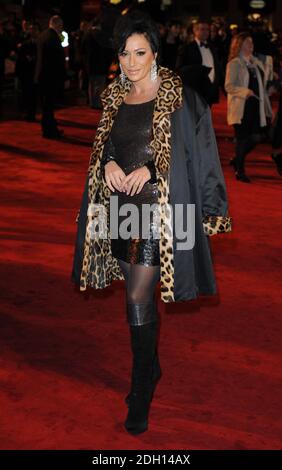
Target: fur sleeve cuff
[[214, 224]]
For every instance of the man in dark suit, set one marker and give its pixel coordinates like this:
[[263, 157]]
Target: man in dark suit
[[50, 75], [199, 66]]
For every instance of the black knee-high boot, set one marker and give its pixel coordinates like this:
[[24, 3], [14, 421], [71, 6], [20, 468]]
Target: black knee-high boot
[[157, 371], [156, 375], [143, 330]]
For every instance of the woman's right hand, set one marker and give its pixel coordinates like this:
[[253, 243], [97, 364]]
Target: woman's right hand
[[114, 175]]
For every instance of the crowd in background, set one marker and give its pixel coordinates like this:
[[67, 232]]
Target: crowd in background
[[208, 57]]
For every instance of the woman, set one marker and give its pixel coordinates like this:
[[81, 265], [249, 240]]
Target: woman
[[248, 105], [154, 145]]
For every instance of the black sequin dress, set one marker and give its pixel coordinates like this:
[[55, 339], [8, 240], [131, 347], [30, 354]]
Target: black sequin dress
[[130, 136]]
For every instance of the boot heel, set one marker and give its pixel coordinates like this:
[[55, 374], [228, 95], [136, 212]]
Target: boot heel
[[138, 412]]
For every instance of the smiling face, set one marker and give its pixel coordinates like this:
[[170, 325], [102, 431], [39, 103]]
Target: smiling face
[[137, 57]]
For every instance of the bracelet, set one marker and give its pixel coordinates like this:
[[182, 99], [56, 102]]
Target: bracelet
[[108, 159]]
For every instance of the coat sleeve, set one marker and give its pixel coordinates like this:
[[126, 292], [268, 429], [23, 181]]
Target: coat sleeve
[[231, 80], [212, 184]]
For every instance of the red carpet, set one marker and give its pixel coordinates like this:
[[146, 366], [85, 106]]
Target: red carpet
[[65, 356]]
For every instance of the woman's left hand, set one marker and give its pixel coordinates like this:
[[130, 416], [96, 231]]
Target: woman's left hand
[[134, 181]]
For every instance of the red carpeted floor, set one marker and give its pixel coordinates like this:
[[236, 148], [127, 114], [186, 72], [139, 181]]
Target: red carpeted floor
[[65, 356]]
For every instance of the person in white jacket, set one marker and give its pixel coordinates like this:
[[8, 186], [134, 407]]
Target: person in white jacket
[[248, 104]]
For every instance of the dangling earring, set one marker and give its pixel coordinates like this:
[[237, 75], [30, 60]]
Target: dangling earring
[[154, 70], [122, 75]]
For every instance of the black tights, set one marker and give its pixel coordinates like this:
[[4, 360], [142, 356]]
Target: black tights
[[245, 143], [140, 282]]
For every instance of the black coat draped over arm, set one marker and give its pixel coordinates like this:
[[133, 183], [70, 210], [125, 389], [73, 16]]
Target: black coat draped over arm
[[196, 177]]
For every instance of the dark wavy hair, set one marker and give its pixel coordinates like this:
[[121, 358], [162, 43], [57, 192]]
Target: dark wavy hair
[[136, 22]]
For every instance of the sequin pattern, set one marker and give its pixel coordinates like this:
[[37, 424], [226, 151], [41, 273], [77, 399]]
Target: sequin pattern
[[131, 135]]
